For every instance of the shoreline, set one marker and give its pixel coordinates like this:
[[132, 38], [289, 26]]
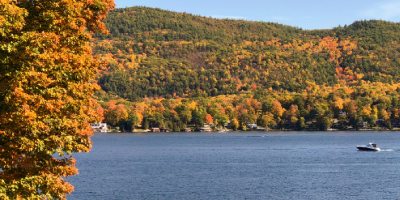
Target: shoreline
[[249, 132]]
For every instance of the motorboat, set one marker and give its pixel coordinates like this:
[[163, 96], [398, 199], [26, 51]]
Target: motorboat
[[368, 147]]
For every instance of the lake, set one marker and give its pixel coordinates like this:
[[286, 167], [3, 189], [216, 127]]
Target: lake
[[240, 166]]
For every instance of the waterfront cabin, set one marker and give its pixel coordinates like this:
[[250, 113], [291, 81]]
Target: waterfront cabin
[[100, 127], [206, 128], [155, 130]]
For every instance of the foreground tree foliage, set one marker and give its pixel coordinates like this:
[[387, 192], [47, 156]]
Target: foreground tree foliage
[[47, 74]]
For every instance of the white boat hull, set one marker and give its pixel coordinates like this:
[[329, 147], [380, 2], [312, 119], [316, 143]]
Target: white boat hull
[[365, 148]]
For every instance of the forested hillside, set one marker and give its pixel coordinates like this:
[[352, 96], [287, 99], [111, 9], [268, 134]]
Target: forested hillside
[[157, 54]]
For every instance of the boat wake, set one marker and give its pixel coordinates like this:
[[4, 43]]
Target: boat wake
[[256, 136], [387, 150]]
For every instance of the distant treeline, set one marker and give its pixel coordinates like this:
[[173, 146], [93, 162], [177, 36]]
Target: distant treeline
[[364, 106]]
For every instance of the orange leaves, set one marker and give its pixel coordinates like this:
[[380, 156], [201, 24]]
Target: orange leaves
[[348, 46], [329, 43], [99, 113], [284, 58], [235, 123], [272, 109], [28, 114], [384, 114], [268, 120], [95, 12], [116, 113], [366, 111], [337, 48], [11, 17], [339, 103], [18, 94], [277, 108], [47, 82], [208, 119]]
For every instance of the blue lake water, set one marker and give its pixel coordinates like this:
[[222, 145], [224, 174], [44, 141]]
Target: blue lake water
[[239, 166]]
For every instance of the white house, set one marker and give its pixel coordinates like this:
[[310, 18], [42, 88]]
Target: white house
[[100, 127]]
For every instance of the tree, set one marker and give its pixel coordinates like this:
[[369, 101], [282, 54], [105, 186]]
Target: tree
[[47, 80], [292, 115], [324, 123], [301, 124], [208, 119], [198, 117], [117, 115], [277, 110], [185, 113], [235, 124], [268, 121]]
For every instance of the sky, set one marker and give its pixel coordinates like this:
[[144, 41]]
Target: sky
[[306, 14]]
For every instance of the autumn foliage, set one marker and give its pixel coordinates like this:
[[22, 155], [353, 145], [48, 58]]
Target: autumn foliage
[[365, 105], [47, 74], [156, 53], [176, 70]]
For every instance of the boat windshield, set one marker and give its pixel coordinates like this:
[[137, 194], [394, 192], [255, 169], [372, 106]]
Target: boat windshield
[[372, 145]]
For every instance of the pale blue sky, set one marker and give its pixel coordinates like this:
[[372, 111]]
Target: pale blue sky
[[308, 14]]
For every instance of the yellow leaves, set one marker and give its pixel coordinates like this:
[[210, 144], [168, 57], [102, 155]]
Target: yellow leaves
[[18, 94], [27, 144], [48, 92], [11, 17], [139, 118], [202, 43], [348, 46], [277, 108], [192, 105], [359, 76], [247, 43], [28, 114], [39, 43], [95, 12], [105, 45], [366, 111], [235, 123], [329, 43], [116, 113], [339, 103], [348, 90], [268, 120], [384, 114]]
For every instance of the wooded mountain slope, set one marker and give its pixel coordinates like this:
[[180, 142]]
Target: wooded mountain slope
[[157, 53]]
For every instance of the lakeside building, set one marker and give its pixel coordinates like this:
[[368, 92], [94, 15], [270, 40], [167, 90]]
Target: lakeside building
[[155, 130], [255, 127], [159, 130], [100, 127], [206, 128]]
